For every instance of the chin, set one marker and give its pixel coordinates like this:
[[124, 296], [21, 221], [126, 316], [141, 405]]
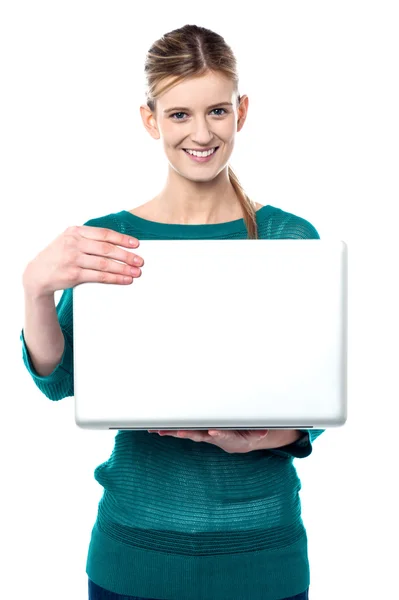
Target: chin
[[198, 177]]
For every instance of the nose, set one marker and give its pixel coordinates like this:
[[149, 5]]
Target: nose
[[201, 134]]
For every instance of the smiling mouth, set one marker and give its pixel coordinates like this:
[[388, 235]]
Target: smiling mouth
[[201, 153]]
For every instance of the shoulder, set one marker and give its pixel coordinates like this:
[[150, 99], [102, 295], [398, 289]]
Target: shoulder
[[286, 225], [109, 221]]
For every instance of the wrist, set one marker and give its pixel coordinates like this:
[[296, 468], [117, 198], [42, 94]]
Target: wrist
[[32, 289], [36, 294]]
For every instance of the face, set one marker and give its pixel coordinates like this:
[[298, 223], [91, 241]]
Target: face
[[199, 114]]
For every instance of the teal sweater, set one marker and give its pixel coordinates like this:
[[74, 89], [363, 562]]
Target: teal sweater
[[184, 520]]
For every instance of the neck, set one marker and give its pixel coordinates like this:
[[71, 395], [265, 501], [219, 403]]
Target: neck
[[192, 202]]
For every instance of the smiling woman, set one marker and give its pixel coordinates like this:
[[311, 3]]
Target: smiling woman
[[200, 515]]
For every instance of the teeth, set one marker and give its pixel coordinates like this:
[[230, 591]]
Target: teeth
[[201, 154]]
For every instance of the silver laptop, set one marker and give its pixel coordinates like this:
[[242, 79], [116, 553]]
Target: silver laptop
[[227, 334]]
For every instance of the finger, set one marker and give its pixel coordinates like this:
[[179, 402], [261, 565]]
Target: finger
[[109, 250], [106, 266], [107, 235], [93, 276], [197, 435], [263, 433], [216, 434]]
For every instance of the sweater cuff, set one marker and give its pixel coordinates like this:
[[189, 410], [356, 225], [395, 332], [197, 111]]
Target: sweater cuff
[[62, 370], [299, 449]]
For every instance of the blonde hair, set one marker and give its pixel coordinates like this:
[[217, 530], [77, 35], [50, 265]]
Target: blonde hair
[[187, 52]]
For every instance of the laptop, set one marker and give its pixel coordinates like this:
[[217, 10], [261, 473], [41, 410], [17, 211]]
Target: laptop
[[227, 334]]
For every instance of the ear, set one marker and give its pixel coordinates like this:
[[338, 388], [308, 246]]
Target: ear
[[149, 121], [242, 112]]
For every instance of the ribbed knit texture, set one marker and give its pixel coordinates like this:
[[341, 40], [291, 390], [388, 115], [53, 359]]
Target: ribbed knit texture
[[182, 520]]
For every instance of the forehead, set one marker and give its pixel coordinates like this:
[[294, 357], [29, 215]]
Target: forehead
[[200, 91]]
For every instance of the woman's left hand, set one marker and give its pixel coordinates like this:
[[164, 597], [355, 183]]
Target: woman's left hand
[[231, 441]]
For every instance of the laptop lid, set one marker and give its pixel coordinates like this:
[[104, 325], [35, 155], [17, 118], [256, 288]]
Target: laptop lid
[[228, 334]]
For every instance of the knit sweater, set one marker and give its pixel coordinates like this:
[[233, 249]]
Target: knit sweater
[[185, 520]]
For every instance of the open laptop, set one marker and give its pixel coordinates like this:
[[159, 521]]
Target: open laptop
[[227, 334]]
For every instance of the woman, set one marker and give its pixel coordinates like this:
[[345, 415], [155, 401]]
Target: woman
[[191, 515]]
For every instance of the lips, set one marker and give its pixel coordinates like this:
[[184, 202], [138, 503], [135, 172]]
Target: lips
[[201, 159], [215, 148]]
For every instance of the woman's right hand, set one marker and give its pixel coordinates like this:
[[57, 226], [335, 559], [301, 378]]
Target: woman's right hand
[[82, 254]]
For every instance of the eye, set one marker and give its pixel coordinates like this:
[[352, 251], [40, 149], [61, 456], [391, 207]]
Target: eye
[[220, 109], [178, 113], [175, 118]]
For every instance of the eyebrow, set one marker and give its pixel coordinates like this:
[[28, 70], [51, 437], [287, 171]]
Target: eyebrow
[[183, 108]]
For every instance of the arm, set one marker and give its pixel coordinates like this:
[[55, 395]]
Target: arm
[[47, 338], [47, 343]]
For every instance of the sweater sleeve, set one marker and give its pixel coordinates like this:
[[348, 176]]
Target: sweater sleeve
[[58, 384], [302, 447]]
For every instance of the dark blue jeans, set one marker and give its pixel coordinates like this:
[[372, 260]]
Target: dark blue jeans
[[98, 593]]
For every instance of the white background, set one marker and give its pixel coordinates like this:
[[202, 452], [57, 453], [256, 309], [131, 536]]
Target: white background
[[321, 141]]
